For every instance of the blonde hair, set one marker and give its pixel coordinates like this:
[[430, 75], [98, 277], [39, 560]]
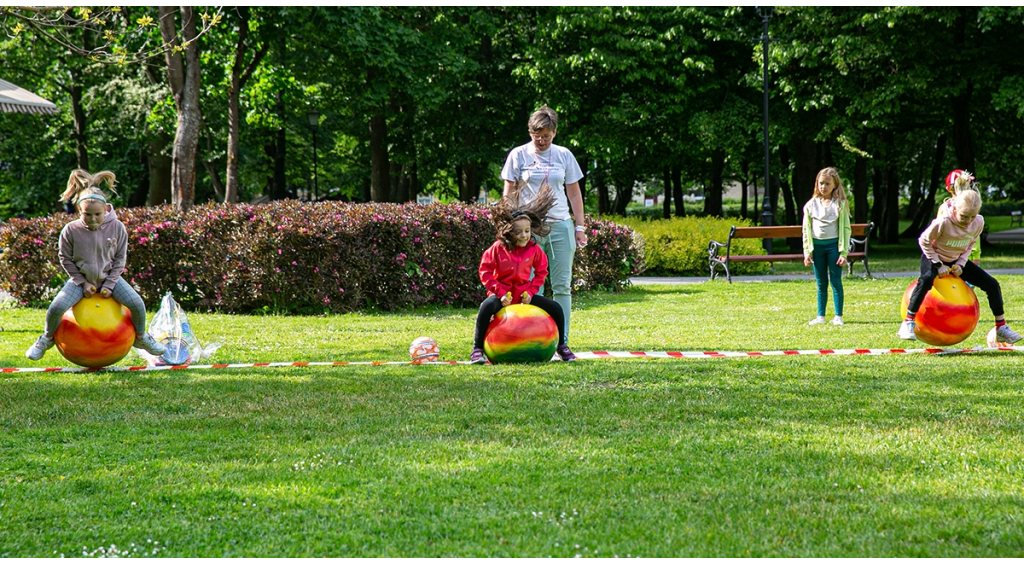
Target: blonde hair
[[967, 201], [963, 182], [838, 192], [85, 186]]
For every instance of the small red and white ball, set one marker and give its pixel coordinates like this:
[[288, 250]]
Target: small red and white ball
[[424, 349], [993, 341]]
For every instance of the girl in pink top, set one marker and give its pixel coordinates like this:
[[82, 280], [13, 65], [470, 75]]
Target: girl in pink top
[[946, 245], [93, 250], [513, 269]]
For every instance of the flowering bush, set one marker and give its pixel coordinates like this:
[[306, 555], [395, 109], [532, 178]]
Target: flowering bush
[[301, 257]]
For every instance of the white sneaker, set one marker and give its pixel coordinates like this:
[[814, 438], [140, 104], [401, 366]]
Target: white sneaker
[[147, 343], [817, 320], [1006, 335], [837, 320], [43, 344], [906, 331]]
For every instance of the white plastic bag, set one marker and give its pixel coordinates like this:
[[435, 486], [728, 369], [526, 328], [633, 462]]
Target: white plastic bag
[[170, 326]]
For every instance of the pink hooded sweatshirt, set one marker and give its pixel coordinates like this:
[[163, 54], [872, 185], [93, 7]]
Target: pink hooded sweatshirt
[[946, 241], [97, 257]]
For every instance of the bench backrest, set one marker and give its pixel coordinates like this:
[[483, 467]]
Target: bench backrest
[[780, 231], [1018, 212]]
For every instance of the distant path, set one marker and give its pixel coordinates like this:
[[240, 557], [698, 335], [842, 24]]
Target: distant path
[[639, 280]]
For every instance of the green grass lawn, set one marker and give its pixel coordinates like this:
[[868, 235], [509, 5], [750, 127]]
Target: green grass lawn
[[894, 455]]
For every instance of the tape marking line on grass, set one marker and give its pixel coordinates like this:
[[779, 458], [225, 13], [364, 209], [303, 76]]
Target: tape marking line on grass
[[593, 355]]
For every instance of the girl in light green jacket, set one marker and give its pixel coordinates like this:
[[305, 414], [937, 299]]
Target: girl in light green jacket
[[826, 237]]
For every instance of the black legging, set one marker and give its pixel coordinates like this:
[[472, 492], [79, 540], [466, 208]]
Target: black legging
[[972, 273], [492, 305]]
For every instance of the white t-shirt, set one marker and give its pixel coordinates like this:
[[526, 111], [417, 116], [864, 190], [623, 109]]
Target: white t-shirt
[[825, 224], [557, 167]]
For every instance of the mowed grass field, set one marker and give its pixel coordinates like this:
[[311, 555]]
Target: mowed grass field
[[798, 456]]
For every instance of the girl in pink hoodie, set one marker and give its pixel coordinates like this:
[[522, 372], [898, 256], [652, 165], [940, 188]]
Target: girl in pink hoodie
[[513, 269], [93, 251], [946, 246]]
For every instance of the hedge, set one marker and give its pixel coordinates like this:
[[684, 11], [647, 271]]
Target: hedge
[[290, 256], [679, 246]]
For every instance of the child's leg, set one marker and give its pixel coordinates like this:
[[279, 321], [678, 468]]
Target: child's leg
[[819, 260], [68, 296], [552, 308], [129, 298], [488, 308], [835, 276], [974, 274], [928, 273]]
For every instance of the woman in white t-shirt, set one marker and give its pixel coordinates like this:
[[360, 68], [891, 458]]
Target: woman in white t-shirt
[[541, 162]]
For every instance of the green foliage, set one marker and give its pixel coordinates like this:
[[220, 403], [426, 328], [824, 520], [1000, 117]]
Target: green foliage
[[679, 246], [292, 257]]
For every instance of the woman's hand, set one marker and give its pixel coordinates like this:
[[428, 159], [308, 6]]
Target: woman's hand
[[841, 261], [506, 299], [88, 290], [807, 260], [105, 293], [526, 297], [581, 239]]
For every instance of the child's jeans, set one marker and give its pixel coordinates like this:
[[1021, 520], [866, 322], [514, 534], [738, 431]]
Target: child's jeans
[[824, 258], [972, 274], [72, 293], [492, 305]]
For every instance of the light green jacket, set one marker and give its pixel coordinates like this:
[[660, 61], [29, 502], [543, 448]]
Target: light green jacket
[[844, 230]]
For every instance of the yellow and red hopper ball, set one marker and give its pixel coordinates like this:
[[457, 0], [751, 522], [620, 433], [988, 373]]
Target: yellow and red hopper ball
[[96, 332], [521, 333], [948, 314]]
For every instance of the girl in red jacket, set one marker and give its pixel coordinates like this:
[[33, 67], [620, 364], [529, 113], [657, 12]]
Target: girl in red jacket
[[513, 269]]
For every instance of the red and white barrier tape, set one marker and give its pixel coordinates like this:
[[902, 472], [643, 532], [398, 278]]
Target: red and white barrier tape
[[581, 355]]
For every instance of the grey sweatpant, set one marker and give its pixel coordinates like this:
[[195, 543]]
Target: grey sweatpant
[[72, 293]]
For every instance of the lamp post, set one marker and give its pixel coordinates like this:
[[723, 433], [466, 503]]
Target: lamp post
[[766, 214], [314, 124]]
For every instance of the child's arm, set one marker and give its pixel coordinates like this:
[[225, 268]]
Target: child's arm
[[488, 266], [931, 233], [66, 253], [117, 265], [807, 238]]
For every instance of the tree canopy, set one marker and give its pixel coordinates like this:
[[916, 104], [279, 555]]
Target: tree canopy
[[189, 105]]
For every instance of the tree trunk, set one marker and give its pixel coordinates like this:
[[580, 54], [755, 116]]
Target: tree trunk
[[159, 165], [891, 214], [469, 182], [677, 190], [666, 204], [238, 79], [962, 143], [925, 213], [379, 179], [743, 192], [805, 169], [80, 119], [878, 190], [860, 186], [713, 192], [793, 217], [183, 76], [601, 183]]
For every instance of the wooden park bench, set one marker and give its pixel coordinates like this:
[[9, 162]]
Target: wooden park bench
[[1016, 217], [860, 233]]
